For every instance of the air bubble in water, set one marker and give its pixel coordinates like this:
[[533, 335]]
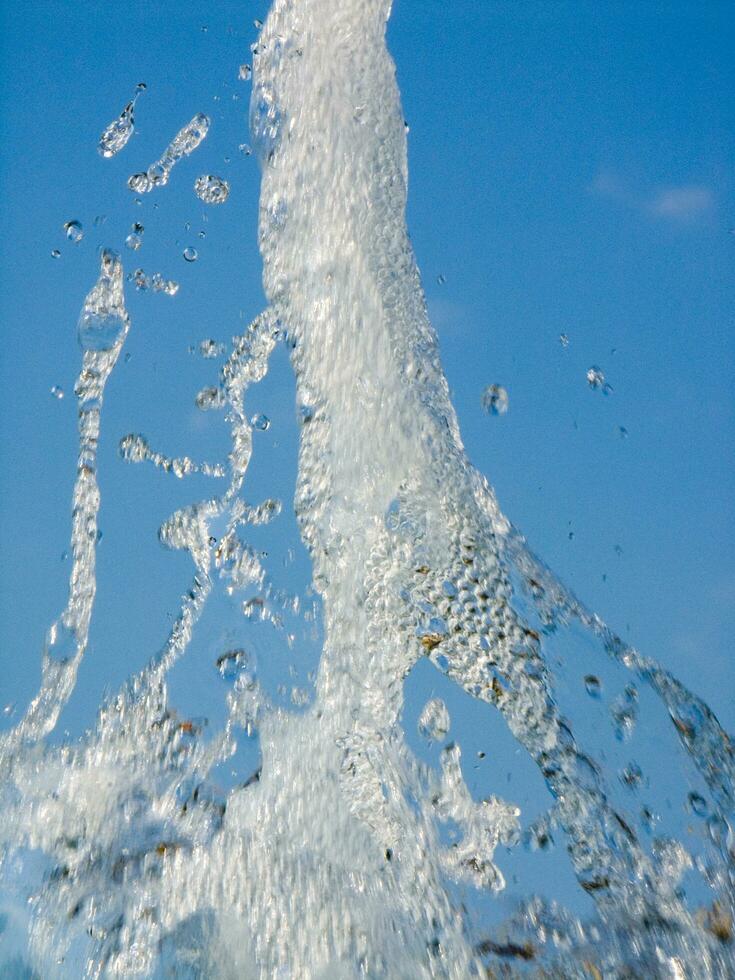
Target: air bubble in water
[[697, 804], [61, 642], [244, 73], [495, 400], [74, 231], [433, 721], [211, 189], [190, 254], [593, 685], [232, 664]]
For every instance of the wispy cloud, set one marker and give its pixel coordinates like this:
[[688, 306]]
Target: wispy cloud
[[682, 203]]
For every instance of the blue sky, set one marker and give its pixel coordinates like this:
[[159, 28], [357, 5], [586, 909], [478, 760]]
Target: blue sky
[[570, 172]]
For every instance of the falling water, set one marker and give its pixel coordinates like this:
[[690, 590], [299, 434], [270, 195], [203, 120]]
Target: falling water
[[342, 853]]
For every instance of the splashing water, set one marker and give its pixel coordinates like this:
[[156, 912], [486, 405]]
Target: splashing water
[[343, 854], [117, 134], [182, 145]]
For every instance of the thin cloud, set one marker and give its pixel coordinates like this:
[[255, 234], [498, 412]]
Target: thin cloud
[[683, 203]]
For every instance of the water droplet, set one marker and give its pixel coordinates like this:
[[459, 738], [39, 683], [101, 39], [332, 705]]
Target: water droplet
[[74, 231], [596, 380], [495, 400], [103, 318], [57, 391], [139, 183], [99, 220], [141, 87], [257, 23], [245, 149], [261, 422], [117, 134], [244, 73], [434, 720], [441, 279], [55, 253], [632, 775], [210, 398], [593, 686], [210, 348], [190, 254], [134, 448], [161, 285], [564, 340], [133, 242], [622, 432], [211, 189]]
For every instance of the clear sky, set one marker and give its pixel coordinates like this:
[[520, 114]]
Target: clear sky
[[571, 172]]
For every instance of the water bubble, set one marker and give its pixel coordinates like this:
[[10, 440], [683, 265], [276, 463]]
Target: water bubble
[[55, 253], [133, 242], [74, 231], [244, 73], [117, 134], [593, 685], [232, 664], [190, 254], [596, 380], [57, 391], [211, 189], [261, 422], [564, 340], [697, 804], [61, 642], [495, 400], [434, 721]]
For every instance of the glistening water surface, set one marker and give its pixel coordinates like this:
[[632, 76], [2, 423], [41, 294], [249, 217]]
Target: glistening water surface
[[284, 807]]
